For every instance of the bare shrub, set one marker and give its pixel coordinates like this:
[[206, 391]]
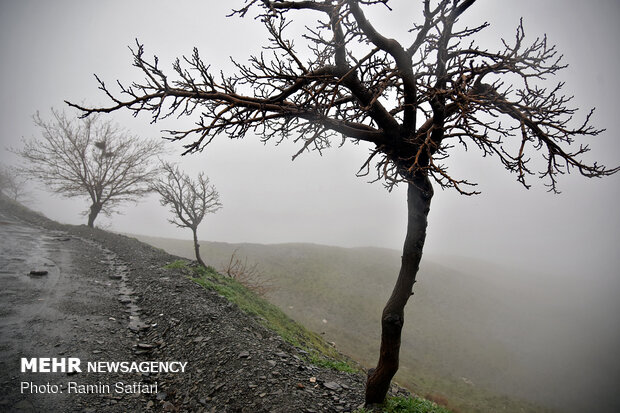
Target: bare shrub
[[247, 274]]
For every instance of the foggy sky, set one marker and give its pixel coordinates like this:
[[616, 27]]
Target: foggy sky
[[51, 49]]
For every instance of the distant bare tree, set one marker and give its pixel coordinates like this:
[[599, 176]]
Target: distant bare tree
[[12, 184], [90, 158], [188, 200], [410, 99], [247, 274]]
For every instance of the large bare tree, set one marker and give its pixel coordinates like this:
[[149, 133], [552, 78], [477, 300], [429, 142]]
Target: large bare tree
[[189, 200], [90, 158], [411, 99]]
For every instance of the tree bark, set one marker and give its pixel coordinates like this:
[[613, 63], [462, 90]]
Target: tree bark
[[419, 195], [197, 248], [95, 209]]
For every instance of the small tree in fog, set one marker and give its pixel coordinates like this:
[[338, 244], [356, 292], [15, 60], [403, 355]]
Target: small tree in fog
[[411, 100], [188, 200], [90, 158], [12, 184]]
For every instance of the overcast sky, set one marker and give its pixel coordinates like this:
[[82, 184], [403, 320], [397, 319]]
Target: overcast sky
[[51, 49]]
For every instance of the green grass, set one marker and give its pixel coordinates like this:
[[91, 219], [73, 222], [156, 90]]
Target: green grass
[[339, 365], [406, 405], [319, 352], [177, 265]]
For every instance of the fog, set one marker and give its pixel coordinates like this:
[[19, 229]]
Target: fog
[[50, 51]]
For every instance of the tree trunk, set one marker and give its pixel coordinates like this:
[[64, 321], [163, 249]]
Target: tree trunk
[[197, 247], [419, 194], [95, 209]]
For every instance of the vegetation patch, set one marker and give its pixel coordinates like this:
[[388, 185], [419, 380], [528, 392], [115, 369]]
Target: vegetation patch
[[319, 352], [177, 265], [340, 365]]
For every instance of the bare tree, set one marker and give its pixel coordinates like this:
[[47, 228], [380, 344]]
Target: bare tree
[[411, 99], [90, 158], [247, 274], [12, 184], [189, 200]]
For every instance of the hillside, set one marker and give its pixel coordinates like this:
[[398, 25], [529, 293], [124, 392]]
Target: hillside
[[485, 338], [108, 299]]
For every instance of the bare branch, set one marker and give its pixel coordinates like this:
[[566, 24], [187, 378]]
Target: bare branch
[[352, 83], [247, 274]]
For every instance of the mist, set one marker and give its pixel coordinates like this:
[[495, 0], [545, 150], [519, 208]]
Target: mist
[[564, 248]]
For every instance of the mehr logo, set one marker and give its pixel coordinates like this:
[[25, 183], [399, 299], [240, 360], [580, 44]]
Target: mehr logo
[[51, 365]]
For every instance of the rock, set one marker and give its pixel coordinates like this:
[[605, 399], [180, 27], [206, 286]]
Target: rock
[[115, 276], [244, 354], [169, 407], [38, 272], [332, 385]]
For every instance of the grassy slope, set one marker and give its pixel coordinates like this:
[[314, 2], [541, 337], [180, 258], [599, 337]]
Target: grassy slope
[[447, 352], [318, 351]]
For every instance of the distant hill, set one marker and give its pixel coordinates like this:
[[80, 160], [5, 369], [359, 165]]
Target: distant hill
[[483, 337]]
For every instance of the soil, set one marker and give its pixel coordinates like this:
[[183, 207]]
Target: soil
[[77, 292]]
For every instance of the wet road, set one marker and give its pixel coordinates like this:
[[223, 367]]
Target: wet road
[[73, 310]]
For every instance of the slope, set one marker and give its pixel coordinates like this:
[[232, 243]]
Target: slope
[[463, 334]]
